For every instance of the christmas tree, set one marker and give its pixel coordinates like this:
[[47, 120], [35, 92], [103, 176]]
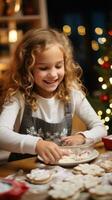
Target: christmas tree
[[101, 99]]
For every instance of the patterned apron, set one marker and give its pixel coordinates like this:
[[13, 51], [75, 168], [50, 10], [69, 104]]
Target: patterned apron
[[47, 131]]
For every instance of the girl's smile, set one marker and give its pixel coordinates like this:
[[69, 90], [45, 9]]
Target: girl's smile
[[49, 71]]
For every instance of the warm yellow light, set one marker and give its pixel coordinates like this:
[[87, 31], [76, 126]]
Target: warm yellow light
[[94, 45], [108, 110], [106, 58], [110, 80], [100, 79], [100, 112], [81, 30], [102, 40], [110, 105], [12, 36], [98, 31], [67, 29], [107, 119], [17, 5], [100, 61], [104, 86]]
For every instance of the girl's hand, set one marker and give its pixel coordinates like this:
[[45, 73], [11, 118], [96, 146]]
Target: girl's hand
[[73, 139], [49, 151]]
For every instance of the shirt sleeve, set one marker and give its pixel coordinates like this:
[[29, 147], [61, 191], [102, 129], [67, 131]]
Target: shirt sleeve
[[11, 140], [95, 127]]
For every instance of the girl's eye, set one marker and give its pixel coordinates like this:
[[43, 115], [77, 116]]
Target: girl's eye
[[43, 68], [59, 66]]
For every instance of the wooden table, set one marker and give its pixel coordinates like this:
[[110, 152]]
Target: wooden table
[[27, 165]]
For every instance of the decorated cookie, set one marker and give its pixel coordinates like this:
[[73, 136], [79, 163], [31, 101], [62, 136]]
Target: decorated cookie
[[91, 169], [39, 176]]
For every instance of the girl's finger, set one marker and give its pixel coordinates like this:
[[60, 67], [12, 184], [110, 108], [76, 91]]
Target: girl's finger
[[45, 158], [57, 153], [63, 138]]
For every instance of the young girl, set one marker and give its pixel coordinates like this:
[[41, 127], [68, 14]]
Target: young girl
[[45, 91]]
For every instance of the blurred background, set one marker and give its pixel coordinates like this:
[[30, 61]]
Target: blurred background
[[89, 27]]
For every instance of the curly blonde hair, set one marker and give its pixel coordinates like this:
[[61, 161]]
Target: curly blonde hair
[[25, 56]]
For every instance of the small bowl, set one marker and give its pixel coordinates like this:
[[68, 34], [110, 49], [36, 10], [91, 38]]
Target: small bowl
[[107, 140], [12, 189], [77, 149]]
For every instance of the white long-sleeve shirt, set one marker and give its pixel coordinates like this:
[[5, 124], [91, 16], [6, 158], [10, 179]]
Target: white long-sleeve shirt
[[51, 110]]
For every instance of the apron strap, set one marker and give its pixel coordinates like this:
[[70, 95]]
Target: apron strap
[[68, 114]]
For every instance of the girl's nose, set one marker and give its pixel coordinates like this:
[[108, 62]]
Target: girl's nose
[[52, 73]]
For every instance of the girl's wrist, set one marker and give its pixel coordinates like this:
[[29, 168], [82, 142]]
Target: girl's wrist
[[82, 137], [38, 141]]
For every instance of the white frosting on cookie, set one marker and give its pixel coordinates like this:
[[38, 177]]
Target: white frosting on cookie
[[38, 175]]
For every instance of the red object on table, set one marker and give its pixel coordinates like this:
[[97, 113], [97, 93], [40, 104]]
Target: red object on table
[[107, 140], [15, 191]]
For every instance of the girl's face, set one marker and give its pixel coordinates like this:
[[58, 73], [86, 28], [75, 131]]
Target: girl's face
[[49, 71]]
